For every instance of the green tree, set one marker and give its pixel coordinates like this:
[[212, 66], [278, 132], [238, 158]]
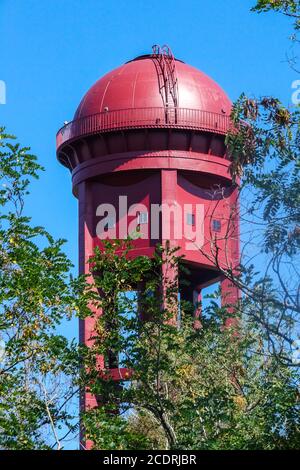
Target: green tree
[[211, 388]]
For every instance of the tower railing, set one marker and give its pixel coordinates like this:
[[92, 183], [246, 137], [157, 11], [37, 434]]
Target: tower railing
[[138, 118]]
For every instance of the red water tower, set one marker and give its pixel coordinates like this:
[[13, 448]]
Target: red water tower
[[147, 150]]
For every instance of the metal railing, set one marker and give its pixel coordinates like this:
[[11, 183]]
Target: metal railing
[[121, 119]]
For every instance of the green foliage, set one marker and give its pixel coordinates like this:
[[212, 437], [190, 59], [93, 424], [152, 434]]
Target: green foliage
[[111, 431], [179, 388], [290, 9]]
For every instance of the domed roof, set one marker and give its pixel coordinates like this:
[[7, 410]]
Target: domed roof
[[153, 91], [138, 84]]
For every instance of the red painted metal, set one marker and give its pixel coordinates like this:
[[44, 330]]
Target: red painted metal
[[167, 77], [154, 130]]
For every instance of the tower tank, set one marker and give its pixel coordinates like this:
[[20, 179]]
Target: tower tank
[[146, 150]]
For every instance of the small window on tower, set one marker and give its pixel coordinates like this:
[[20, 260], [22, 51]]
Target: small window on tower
[[110, 223], [216, 225], [143, 218], [190, 219]]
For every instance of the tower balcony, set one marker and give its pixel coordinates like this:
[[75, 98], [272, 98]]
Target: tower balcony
[[143, 118]]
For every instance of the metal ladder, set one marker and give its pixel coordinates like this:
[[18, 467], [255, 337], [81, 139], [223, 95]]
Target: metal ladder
[[167, 80]]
